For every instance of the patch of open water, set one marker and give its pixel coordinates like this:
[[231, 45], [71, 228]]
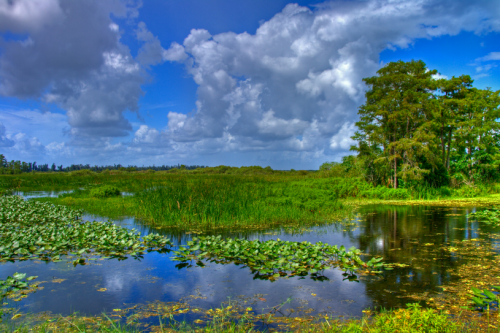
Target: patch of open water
[[401, 234]]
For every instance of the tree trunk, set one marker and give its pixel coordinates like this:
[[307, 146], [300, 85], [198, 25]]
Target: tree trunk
[[443, 156], [442, 139], [395, 172], [448, 153]]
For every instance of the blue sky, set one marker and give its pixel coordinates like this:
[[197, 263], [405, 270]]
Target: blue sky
[[240, 82]]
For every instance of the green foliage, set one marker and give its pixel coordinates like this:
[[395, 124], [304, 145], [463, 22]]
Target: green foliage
[[327, 166], [414, 128], [250, 170], [485, 299], [394, 117], [105, 191], [14, 284], [113, 207], [311, 195], [414, 320], [275, 258], [468, 191], [437, 176], [381, 192], [489, 216], [33, 230], [351, 166]]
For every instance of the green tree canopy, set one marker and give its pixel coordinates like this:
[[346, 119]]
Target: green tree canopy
[[413, 127], [395, 118]]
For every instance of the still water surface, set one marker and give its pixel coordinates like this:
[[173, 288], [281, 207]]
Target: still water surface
[[401, 234]]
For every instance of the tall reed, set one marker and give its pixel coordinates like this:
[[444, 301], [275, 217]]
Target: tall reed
[[222, 201]]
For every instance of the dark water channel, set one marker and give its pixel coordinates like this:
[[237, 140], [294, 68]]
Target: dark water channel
[[401, 234]]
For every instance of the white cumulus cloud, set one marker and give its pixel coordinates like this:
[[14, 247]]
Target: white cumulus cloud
[[4, 140], [296, 84]]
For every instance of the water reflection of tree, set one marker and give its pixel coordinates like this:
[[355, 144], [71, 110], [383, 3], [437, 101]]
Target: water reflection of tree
[[413, 235]]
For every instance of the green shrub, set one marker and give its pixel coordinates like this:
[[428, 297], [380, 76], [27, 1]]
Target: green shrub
[[445, 191], [105, 191], [468, 191]]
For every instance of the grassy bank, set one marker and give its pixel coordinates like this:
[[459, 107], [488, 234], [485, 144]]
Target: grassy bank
[[233, 319]]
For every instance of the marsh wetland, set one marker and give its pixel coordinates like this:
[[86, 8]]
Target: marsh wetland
[[138, 271]]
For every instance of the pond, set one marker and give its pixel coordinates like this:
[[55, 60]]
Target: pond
[[412, 236]]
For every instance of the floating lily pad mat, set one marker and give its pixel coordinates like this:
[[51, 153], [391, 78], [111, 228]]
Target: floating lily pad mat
[[417, 240]]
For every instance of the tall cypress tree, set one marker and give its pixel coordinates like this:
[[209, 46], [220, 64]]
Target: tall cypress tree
[[396, 118]]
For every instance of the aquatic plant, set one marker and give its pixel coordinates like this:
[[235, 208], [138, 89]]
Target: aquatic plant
[[13, 286], [31, 229], [274, 258], [485, 299], [488, 216], [14, 283]]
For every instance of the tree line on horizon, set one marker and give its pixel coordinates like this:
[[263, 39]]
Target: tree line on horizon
[[17, 167]]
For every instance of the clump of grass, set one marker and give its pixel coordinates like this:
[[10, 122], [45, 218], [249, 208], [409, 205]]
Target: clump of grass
[[105, 191], [113, 207], [414, 319]]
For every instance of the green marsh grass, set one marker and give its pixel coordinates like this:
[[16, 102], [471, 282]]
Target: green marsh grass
[[224, 197], [228, 319], [114, 207], [347, 185], [192, 199], [234, 201]]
